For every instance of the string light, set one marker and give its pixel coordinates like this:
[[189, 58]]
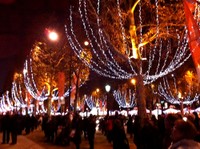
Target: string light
[[124, 100], [104, 63], [165, 91]]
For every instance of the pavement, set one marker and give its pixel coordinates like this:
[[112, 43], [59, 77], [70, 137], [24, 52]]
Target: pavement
[[36, 140]]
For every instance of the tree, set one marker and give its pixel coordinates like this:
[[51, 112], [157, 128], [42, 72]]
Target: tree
[[46, 61], [180, 90], [142, 39]]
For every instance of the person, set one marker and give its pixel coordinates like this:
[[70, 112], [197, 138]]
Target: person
[[183, 135], [91, 130], [129, 125], [120, 140], [76, 130], [14, 127], [196, 121], [169, 121], [85, 122], [150, 137], [136, 131], [6, 128]]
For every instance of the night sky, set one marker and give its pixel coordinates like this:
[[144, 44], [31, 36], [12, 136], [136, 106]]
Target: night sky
[[22, 22]]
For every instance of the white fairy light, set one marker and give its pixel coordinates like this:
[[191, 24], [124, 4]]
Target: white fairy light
[[121, 99], [30, 82], [2, 105], [164, 90], [89, 102], [104, 62], [16, 94]]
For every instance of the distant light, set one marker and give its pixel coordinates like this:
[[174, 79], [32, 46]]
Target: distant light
[[53, 36], [107, 88], [86, 43], [185, 119], [97, 90], [133, 81]]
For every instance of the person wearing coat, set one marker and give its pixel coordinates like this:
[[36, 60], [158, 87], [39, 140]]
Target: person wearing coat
[[6, 128], [183, 135]]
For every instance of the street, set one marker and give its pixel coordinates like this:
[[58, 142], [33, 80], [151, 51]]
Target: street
[[36, 140]]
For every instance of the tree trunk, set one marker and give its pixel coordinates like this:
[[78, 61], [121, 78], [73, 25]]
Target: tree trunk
[[76, 94], [49, 106], [141, 100]]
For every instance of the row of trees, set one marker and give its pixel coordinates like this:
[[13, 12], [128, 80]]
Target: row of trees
[[142, 39], [145, 40]]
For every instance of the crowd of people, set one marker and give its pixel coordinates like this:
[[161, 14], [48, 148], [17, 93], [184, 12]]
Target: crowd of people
[[13, 124], [171, 131]]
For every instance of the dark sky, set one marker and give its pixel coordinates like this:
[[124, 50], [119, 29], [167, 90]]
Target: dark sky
[[22, 22]]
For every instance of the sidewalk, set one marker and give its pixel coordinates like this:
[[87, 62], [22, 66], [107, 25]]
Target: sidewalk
[[35, 140], [22, 143]]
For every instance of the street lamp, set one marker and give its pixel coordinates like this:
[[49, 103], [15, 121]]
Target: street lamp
[[86, 43], [133, 81], [52, 36], [107, 88], [181, 102], [96, 101]]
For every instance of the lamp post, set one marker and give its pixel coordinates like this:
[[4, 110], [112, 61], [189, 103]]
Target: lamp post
[[52, 36], [96, 101], [181, 102], [107, 88]]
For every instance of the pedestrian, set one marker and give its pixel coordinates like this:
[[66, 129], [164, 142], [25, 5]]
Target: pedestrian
[[109, 127], [120, 140], [14, 127], [129, 125], [150, 136], [85, 122], [76, 130], [169, 124], [183, 135], [6, 128], [91, 129]]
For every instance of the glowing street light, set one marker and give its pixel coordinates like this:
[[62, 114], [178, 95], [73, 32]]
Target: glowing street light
[[86, 43], [107, 88], [133, 81], [181, 102], [53, 36], [97, 90]]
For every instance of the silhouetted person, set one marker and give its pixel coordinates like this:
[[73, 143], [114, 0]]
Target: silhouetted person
[[120, 140], [129, 125], [150, 136], [169, 124], [183, 135], [85, 122], [91, 129], [77, 128], [136, 131], [27, 124], [6, 128], [196, 121], [14, 128]]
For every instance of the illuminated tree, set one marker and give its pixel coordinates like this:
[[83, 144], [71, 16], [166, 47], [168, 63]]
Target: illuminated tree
[[18, 91], [125, 96], [142, 39], [46, 61], [180, 91]]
